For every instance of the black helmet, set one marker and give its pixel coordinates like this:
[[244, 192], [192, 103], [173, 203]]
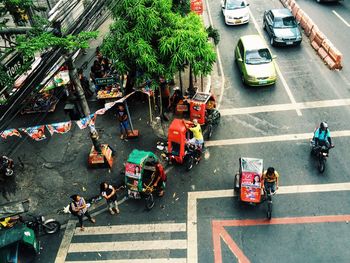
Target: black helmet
[[324, 125]]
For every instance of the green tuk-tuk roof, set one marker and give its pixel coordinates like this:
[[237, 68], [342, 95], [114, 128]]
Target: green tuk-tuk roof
[[137, 156], [18, 233]]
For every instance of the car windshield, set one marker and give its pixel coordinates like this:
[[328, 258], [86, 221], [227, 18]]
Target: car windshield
[[235, 4], [260, 56], [285, 22]]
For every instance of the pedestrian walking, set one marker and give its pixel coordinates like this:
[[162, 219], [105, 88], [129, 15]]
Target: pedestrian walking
[[123, 122], [79, 209], [109, 192]]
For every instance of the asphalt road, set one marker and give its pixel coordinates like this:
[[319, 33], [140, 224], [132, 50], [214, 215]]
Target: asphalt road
[[198, 211]]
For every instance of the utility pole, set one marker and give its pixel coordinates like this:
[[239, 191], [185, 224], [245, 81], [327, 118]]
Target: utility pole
[[73, 75]]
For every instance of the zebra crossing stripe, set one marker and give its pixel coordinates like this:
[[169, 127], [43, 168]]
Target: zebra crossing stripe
[[144, 260], [131, 229], [128, 246]]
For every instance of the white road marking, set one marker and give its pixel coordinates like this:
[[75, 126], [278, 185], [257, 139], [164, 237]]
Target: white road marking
[[284, 82], [123, 229], [134, 245], [145, 260], [286, 107], [219, 60], [342, 19], [193, 197], [274, 138], [66, 240]]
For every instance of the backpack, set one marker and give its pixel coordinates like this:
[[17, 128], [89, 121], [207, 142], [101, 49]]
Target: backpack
[[71, 209]]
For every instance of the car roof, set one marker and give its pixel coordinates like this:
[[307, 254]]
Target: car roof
[[252, 42], [282, 12]]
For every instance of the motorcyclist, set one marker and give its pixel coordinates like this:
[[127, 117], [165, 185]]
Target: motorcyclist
[[322, 136], [197, 139], [197, 133], [270, 178]]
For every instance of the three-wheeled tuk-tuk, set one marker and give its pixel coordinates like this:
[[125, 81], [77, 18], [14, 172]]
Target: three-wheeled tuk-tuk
[[18, 245], [140, 170], [249, 183], [203, 108]]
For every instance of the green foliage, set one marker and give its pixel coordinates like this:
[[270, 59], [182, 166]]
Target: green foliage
[[18, 3], [41, 42], [148, 37], [181, 6], [214, 34]]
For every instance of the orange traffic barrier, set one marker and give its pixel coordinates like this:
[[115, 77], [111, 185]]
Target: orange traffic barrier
[[288, 3], [291, 5], [336, 56], [313, 32], [307, 24], [299, 15], [324, 48], [318, 40], [295, 9]]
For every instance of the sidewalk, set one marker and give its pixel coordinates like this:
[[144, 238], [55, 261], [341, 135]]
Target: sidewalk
[[56, 168]]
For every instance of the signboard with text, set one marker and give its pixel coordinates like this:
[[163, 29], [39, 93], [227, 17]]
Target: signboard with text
[[197, 6]]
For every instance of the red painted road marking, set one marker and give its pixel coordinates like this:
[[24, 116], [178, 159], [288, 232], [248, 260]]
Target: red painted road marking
[[219, 231]]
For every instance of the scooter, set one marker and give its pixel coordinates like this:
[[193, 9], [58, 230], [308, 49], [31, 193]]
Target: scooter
[[321, 153], [193, 155], [6, 166], [40, 225]]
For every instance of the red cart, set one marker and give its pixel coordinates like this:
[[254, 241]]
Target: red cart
[[178, 150], [203, 108], [249, 183], [249, 180]]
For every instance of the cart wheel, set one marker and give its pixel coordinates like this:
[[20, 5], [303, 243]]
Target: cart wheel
[[189, 163], [269, 210], [52, 227], [321, 165], [210, 131], [149, 200]]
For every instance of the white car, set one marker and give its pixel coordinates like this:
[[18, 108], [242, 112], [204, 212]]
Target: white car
[[236, 12]]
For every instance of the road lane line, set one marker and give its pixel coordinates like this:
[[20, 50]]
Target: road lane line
[[342, 19], [286, 107], [273, 138], [284, 82], [65, 243], [284, 220], [219, 59], [131, 229], [193, 197], [135, 245], [143, 260]]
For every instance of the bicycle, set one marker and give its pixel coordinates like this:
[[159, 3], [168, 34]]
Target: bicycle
[[268, 198]]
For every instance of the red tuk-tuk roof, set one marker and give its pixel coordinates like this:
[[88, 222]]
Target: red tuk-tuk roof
[[177, 125]]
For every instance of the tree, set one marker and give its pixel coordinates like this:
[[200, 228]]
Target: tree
[[148, 40]]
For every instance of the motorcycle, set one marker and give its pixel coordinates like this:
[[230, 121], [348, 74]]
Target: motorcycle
[[193, 154], [40, 225], [6, 166], [321, 152]]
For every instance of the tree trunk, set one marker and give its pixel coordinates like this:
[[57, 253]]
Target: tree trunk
[[191, 86], [73, 75], [130, 82], [180, 81]]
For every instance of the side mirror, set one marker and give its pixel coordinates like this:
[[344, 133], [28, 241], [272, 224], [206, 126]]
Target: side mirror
[[240, 60], [274, 57], [222, 6], [247, 4]]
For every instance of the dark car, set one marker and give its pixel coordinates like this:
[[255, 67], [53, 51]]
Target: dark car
[[282, 27]]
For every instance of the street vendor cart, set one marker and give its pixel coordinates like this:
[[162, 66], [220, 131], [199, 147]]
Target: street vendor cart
[[249, 183], [140, 171]]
